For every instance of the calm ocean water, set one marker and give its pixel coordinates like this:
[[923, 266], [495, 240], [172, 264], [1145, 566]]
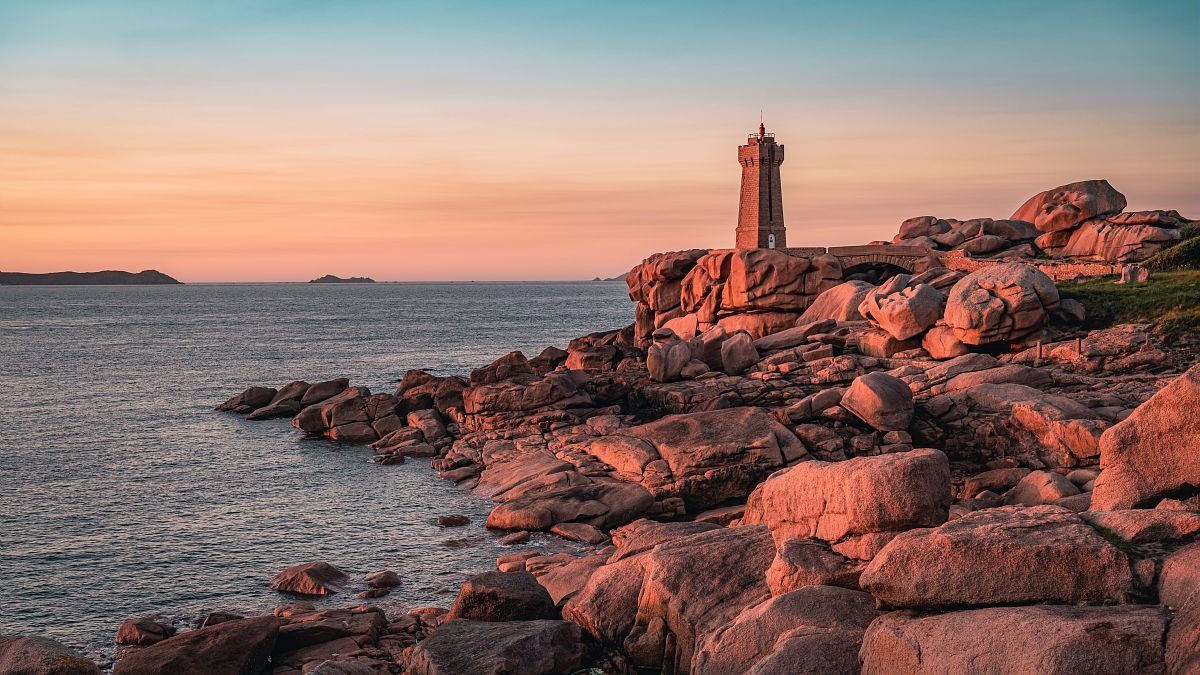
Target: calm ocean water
[[123, 493]]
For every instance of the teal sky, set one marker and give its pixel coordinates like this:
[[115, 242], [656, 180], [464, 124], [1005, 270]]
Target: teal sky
[[144, 133]]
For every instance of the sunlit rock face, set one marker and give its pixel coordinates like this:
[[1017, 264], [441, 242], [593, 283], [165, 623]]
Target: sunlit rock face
[[1066, 206]]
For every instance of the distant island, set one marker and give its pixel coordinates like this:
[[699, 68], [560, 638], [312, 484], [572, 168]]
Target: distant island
[[330, 279], [104, 278]]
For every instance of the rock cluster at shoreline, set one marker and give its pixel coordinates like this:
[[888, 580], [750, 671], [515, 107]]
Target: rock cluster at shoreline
[[862, 510], [1083, 221], [776, 469]]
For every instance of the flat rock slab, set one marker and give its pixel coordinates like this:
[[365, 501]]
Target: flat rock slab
[[1047, 640], [999, 556]]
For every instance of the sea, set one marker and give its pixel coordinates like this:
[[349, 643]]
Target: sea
[[122, 492]]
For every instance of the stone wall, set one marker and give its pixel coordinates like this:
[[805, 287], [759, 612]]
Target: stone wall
[[1058, 270]]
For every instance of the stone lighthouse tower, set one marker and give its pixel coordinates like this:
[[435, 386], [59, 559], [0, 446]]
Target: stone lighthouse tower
[[760, 212]]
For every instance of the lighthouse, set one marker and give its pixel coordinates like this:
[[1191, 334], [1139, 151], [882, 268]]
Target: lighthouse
[[760, 211]]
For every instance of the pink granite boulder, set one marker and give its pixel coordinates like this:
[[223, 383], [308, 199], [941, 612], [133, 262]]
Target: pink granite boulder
[[999, 556], [1008, 302], [1066, 206], [1152, 453], [1046, 640]]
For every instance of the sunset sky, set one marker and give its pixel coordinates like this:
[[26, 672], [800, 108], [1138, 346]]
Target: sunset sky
[[256, 140]]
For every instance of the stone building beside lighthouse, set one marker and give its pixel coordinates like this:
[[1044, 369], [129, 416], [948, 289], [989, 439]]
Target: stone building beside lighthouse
[[760, 211]]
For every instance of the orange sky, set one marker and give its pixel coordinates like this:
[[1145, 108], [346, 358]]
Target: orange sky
[[251, 178]]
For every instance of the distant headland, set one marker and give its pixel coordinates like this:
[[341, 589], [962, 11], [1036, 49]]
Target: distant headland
[[103, 278], [331, 279]]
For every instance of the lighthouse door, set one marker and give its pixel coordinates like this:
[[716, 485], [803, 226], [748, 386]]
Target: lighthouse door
[[771, 240]]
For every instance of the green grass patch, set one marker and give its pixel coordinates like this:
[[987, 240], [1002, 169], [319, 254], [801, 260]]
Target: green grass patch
[[1182, 256], [1171, 300]]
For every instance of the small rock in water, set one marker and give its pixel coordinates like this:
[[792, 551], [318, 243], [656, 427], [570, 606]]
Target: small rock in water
[[374, 593], [514, 538], [382, 579], [314, 578], [215, 618], [453, 520], [143, 631]]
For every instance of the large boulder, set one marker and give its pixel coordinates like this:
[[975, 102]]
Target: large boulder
[[1008, 302], [691, 586], [860, 496], [29, 655], [1152, 453], [513, 648], [719, 455], [1114, 239], [248, 401], [239, 647], [880, 400], [502, 596], [1066, 206], [1180, 577], [782, 629], [143, 631], [906, 313], [314, 578], [839, 303], [1039, 639], [555, 391], [999, 556], [745, 280]]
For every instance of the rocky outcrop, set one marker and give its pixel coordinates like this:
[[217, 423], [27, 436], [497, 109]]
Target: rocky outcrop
[[1044, 640], [1066, 206], [681, 600], [242, 647], [999, 556], [710, 457], [1152, 453], [980, 237], [817, 629]]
